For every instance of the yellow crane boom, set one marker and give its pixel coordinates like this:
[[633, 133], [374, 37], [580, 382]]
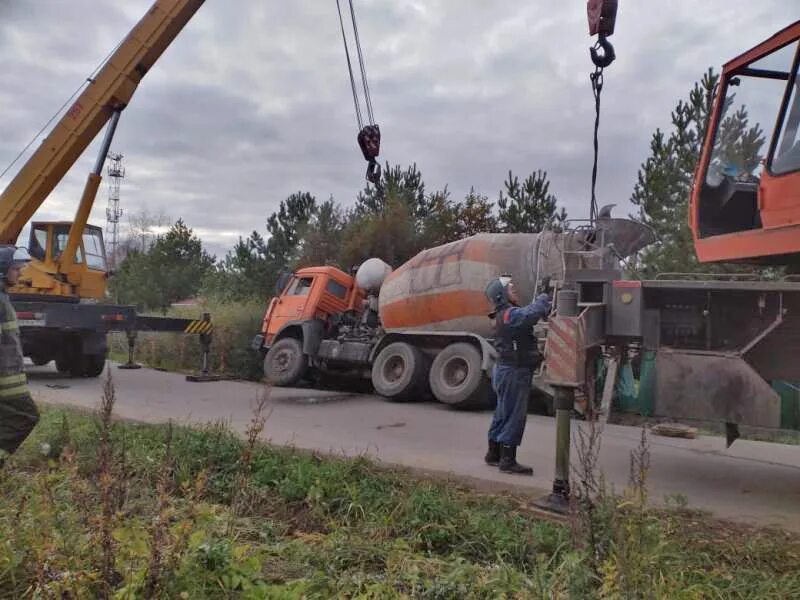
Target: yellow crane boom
[[108, 92]]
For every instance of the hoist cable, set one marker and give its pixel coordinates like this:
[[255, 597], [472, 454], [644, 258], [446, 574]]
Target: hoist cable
[[367, 99], [350, 69], [597, 88]]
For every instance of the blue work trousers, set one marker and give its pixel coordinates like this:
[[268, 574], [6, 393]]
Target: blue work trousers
[[512, 386]]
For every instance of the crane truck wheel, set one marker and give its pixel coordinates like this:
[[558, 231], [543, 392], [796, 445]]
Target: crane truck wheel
[[285, 363], [457, 378], [87, 365], [93, 364], [63, 364], [398, 372], [39, 360]]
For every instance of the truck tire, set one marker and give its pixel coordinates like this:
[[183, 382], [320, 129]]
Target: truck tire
[[39, 360], [398, 372], [87, 365], [63, 365], [457, 377], [93, 364], [285, 364]]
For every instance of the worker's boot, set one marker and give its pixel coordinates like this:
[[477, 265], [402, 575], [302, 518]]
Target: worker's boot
[[509, 464], [492, 457]]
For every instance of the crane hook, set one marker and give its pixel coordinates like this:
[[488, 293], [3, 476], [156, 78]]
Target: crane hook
[[604, 59]]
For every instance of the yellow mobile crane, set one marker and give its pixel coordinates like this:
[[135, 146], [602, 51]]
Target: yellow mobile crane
[[56, 297]]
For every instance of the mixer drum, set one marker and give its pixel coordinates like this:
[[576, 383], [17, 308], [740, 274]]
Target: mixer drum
[[442, 288]]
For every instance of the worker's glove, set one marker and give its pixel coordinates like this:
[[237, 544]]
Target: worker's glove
[[545, 300]]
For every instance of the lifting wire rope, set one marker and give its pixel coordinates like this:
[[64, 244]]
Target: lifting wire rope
[[369, 134], [602, 17]]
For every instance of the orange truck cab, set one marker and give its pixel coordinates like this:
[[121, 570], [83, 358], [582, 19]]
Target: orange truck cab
[[309, 303]]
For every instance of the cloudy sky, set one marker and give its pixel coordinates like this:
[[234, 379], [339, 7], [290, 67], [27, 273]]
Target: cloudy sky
[[252, 101]]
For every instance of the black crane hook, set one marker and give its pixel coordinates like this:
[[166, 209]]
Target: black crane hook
[[604, 59], [369, 140]]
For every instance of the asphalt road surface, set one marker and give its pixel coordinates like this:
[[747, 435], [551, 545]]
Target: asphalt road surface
[[752, 482]]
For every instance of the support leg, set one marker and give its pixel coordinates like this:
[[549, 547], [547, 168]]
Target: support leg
[[205, 343], [131, 364], [558, 499]]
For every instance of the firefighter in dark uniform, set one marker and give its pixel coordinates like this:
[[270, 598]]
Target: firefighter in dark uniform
[[18, 414], [517, 357]]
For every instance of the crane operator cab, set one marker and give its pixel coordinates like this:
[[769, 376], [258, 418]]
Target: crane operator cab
[[87, 271], [746, 195]]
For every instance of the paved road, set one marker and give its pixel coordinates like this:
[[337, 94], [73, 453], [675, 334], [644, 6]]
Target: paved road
[[752, 482]]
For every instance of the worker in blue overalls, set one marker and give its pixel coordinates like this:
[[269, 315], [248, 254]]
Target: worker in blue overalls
[[517, 357]]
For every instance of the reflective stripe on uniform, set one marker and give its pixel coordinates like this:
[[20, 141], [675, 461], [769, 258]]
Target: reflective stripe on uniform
[[12, 380], [9, 326], [13, 385], [17, 390]]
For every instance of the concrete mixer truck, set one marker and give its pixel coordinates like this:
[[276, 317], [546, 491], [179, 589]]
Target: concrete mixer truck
[[422, 329]]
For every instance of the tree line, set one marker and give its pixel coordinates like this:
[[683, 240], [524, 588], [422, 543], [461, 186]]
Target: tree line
[[401, 217]]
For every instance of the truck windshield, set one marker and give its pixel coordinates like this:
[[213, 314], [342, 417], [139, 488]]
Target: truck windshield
[[299, 286]]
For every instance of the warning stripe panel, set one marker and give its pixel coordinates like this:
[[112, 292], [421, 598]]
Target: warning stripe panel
[[199, 327], [564, 351]]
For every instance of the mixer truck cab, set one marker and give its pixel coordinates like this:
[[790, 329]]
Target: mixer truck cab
[[303, 311]]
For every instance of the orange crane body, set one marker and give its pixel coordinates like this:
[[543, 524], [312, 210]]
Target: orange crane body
[[758, 221]]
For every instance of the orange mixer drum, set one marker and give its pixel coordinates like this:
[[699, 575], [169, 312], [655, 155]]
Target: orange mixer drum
[[442, 288]]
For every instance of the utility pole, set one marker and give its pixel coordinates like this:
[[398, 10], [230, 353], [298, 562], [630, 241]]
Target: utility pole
[[116, 172]]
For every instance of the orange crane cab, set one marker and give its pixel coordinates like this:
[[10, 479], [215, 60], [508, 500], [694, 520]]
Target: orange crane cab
[[745, 203]]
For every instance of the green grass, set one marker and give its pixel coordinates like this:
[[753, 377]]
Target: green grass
[[233, 521]]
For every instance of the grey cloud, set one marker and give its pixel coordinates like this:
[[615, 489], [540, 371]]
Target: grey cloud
[[252, 101]]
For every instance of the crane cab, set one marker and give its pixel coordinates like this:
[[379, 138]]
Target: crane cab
[[745, 204], [85, 277]]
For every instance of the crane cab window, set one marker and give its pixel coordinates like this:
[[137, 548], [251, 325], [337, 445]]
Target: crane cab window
[[94, 250], [786, 157], [299, 286], [60, 243], [38, 243], [752, 98]]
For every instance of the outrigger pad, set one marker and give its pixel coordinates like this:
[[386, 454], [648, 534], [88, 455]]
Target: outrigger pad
[[555, 503], [202, 378], [129, 366]]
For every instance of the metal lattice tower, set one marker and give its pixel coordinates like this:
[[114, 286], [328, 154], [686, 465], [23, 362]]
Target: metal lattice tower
[[115, 172]]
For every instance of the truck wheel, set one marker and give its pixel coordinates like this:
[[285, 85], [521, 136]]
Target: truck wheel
[[39, 361], [399, 372], [85, 365], [93, 364], [285, 363], [457, 378], [63, 365]]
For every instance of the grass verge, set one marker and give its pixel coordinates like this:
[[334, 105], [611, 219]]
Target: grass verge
[[91, 508]]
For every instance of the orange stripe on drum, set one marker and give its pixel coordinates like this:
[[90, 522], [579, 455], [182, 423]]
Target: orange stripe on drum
[[416, 311], [478, 250]]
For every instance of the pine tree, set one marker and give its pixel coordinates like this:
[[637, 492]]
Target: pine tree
[[529, 207]]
